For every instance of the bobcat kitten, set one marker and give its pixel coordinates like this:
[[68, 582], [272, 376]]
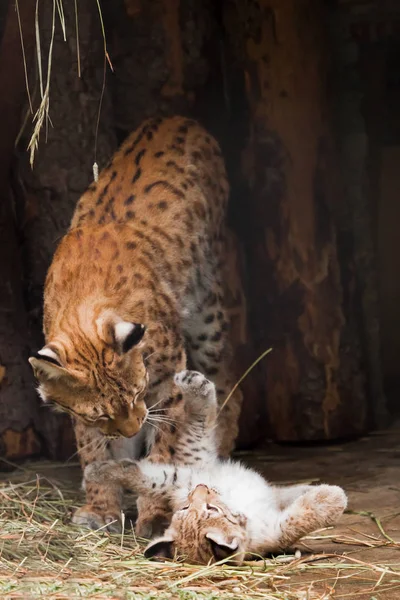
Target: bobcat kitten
[[219, 508]]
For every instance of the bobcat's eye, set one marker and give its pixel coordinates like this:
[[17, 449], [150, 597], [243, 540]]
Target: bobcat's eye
[[97, 419], [213, 508]]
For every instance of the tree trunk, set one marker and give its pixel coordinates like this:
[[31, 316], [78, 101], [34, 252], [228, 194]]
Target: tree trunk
[[18, 406], [298, 305], [63, 166], [359, 89]]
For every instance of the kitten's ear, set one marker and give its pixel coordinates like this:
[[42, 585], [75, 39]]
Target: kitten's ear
[[160, 548], [222, 546], [46, 366]]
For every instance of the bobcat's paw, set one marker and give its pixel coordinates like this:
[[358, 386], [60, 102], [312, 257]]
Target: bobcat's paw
[[91, 517]]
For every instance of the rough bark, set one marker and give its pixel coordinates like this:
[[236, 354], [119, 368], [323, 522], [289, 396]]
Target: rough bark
[[358, 87], [63, 166], [18, 405], [313, 378]]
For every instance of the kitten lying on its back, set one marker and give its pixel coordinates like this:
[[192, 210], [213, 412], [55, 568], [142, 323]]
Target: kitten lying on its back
[[219, 508]]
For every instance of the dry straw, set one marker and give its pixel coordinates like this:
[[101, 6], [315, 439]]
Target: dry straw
[[42, 555]]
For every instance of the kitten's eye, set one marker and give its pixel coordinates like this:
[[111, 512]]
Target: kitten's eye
[[213, 508], [184, 507]]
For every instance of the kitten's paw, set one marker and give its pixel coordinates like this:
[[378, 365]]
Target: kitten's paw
[[108, 470], [100, 471], [154, 526], [327, 502], [195, 383], [199, 394], [92, 518]]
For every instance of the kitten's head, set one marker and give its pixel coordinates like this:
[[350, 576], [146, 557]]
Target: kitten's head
[[202, 530]]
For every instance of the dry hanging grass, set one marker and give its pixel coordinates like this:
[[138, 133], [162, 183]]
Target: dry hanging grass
[[42, 555], [41, 118]]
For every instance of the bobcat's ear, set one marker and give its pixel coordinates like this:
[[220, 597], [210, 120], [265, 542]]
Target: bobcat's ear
[[127, 335], [50, 373], [46, 365], [120, 335], [222, 546], [161, 548]]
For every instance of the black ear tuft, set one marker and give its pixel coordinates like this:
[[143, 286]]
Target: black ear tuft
[[49, 359], [133, 338], [161, 548], [127, 335]]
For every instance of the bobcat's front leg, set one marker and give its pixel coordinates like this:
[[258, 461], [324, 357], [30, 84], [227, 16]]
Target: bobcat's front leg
[[150, 481], [103, 501]]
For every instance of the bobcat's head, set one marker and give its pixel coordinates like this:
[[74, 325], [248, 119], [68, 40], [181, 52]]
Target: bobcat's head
[[203, 529], [99, 378]]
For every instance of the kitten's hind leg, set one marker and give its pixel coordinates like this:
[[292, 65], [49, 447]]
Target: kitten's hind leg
[[318, 507], [285, 495]]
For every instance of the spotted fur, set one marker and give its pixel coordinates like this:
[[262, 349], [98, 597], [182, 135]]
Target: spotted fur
[[134, 292]]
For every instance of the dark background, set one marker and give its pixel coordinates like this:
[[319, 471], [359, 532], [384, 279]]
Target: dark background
[[304, 97]]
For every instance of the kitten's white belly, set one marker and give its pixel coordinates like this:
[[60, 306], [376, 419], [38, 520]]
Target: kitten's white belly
[[242, 490]]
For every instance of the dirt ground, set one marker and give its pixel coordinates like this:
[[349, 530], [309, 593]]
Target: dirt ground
[[366, 542], [369, 470]]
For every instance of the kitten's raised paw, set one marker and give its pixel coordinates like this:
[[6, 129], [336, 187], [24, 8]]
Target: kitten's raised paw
[[90, 517], [195, 383], [199, 394]]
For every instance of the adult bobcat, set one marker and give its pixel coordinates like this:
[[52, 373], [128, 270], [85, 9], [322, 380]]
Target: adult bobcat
[[135, 290]]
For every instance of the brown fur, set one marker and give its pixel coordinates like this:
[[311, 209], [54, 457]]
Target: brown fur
[[145, 247]]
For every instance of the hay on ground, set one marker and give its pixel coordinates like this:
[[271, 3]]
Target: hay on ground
[[42, 555]]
